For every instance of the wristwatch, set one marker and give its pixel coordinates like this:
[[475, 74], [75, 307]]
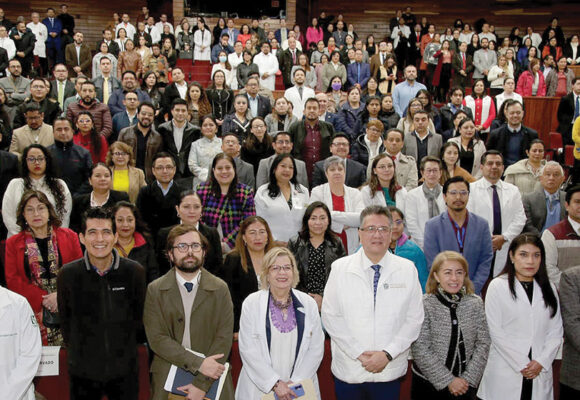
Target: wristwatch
[[389, 357]]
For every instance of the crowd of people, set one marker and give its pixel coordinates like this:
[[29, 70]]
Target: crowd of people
[[373, 203]]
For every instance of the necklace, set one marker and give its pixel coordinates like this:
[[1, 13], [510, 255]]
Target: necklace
[[283, 323], [282, 305]]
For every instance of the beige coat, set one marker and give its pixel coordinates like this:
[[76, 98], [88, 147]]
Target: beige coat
[[211, 327], [23, 137], [136, 182]]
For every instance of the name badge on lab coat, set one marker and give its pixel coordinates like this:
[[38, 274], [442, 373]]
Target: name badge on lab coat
[[49, 361]]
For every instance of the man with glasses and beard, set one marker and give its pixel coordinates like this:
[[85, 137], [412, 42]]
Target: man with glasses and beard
[[202, 323], [99, 111]]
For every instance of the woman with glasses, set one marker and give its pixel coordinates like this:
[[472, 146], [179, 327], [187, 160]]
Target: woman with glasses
[[258, 144], [35, 255], [381, 188], [243, 265], [126, 177], [88, 137], [38, 174], [281, 340]]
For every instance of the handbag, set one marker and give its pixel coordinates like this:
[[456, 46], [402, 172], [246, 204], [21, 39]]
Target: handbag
[[50, 319]]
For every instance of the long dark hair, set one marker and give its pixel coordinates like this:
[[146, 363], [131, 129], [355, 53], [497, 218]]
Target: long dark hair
[[273, 188], [95, 136], [214, 185], [50, 178], [305, 231], [53, 219], [252, 142], [374, 182], [140, 225], [541, 276], [241, 249], [444, 171]]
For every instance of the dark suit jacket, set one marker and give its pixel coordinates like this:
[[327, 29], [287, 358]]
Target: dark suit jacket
[[264, 106], [138, 35], [352, 72], [286, 64], [69, 90], [356, 174], [113, 47], [447, 116], [55, 27], [375, 64], [190, 134], [498, 139], [566, 117], [116, 84], [298, 132], [457, 65], [72, 60], [83, 202], [535, 208], [24, 44], [158, 210], [245, 172], [3, 62], [171, 93], [8, 171], [49, 107]]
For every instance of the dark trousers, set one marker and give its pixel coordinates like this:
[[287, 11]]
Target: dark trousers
[[423, 389], [568, 393], [124, 388], [367, 390]]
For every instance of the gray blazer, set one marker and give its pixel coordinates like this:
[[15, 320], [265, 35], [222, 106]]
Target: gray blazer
[[483, 61], [114, 82], [430, 349], [245, 172], [406, 170], [263, 175], [570, 308], [535, 208], [272, 124], [434, 143]]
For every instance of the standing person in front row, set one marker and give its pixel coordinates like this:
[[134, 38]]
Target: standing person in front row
[[372, 310], [281, 338], [525, 326], [452, 348], [189, 308], [100, 302]]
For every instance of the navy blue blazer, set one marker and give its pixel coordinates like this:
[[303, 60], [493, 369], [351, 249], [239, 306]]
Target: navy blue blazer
[[440, 236], [351, 74]]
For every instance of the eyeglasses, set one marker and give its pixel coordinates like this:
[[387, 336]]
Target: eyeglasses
[[120, 154], [372, 229], [461, 193], [340, 144], [279, 268], [283, 142], [40, 209], [34, 160], [184, 247]]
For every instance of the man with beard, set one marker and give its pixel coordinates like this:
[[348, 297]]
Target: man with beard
[[35, 131], [203, 322], [38, 94], [143, 139], [129, 83], [460, 230], [78, 57], [99, 111], [483, 60], [24, 41], [100, 302], [16, 87]]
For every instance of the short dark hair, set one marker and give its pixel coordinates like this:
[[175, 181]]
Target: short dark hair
[[129, 72], [298, 69], [490, 153], [31, 107], [182, 229], [162, 154], [570, 191], [400, 132], [575, 79], [454, 179], [145, 104], [61, 118], [310, 100], [231, 134], [421, 111], [178, 101], [283, 133], [340, 135], [376, 210], [97, 213]]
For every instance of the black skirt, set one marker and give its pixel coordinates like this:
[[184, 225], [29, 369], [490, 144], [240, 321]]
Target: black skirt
[[422, 389]]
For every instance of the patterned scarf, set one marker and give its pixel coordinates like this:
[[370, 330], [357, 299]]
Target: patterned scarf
[[431, 196]]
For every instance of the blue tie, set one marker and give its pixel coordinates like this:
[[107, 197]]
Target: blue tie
[[377, 269], [358, 73], [188, 286], [577, 108]]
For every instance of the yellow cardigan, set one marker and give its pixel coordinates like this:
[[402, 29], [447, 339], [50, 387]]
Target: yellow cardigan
[[576, 138], [136, 182]]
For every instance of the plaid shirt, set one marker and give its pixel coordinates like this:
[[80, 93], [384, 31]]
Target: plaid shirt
[[229, 213]]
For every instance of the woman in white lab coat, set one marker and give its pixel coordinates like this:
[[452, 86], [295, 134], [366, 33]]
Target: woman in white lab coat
[[525, 326], [202, 41], [281, 340], [282, 201], [345, 203]]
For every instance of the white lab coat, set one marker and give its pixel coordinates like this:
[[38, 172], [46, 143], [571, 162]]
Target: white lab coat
[[284, 223], [228, 73], [292, 95], [201, 155], [129, 29], [515, 326], [350, 218], [356, 324], [235, 61], [257, 376], [154, 33], [417, 213], [513, 216], [202, 38], [405, 31], [267, 64], [20, 346], [9, 46], [379, 198], [41, 33]]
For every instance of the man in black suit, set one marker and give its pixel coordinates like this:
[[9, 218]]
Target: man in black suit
[[38, 93], [544, 207], [175, 90], [108, 38], [355, 172], [178, 134], [141, 32], [24, 41], [568, 111], [512, 139], [105, 65], [61, 88], [287, 59], [259, 105]]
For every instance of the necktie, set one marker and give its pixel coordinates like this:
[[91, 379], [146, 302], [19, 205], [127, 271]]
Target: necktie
[[496, 212], [577, 108], [358, 72], [293, 57], [105, 90], [61, 94], [188, 286], [300, 91], [394, 158], [52, 21], [463, 57], [377, 269], [382, 59], [552, 199]]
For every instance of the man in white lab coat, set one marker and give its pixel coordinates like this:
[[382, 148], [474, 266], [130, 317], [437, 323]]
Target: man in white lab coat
[[20, 346], [372, 309], [268, 66], [298, 94]]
